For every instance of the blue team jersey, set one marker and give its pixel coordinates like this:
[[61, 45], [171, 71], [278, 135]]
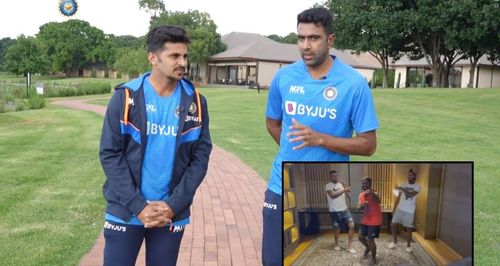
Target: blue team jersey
[[337, 105], [162, 127]]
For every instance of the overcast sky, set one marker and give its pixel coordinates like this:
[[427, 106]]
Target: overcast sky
[[123, 17]]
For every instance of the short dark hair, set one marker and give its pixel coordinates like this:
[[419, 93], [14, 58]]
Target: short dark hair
[[158, 36], [412, 171], [366, 179], [319, 16], [332, 172]]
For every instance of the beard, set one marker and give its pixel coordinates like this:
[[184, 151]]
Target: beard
[[315, 59]]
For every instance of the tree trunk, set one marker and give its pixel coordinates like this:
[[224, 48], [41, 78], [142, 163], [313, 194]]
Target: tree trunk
[[385, 70], [445, 78], [473, 61], [384, 81], [436, 76], [383, 59]]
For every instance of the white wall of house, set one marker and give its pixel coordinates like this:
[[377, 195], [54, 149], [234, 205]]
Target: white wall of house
[[466, 75], [266, 72], [489, 77], [400, 70], [496, 78], [203, 73]]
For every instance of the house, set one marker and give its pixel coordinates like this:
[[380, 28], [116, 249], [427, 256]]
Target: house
[[417, 73], [252, 59]]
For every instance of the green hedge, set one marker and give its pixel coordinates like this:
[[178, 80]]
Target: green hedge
[[9, 104], [85, 88], [13, 96]]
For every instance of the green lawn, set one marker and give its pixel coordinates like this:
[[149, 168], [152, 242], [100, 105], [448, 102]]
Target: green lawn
[[50, 198], [415, 124]]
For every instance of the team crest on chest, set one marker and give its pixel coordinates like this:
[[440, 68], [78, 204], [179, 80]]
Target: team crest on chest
[[330, 93], [177, 111], [192, 108]]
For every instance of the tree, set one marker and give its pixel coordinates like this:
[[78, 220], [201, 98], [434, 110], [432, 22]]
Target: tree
[[5, 43], [447, 31], [83, 45], [476, 32], [205, 41], [127, 41], [429, 23], [26, 55], [153, 7], [291, 38], [132, 61], [369, 26]]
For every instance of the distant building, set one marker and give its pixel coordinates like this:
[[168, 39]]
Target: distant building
[[254, 59], [417, 73]]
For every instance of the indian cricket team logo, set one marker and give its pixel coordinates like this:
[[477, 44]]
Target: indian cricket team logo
[[192, 108], [177, 111], [68, 7], [330, 93]]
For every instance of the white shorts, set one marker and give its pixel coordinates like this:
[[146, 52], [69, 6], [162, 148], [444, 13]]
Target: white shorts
[[404, 218]]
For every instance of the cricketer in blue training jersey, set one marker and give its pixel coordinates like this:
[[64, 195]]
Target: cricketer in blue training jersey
[[314, 106]]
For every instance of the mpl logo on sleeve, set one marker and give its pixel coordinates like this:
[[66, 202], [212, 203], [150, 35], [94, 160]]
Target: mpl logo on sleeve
[[296, 90]]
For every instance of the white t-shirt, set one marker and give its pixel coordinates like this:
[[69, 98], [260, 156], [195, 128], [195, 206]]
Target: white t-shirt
[[337, 204], [408, 204]]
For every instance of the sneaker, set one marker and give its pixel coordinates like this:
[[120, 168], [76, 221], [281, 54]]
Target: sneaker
[[352, 251], [408, 249], [392, 245], [337, 248]]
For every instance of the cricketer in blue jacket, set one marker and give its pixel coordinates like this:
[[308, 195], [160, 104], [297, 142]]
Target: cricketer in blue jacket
[[154, 150]]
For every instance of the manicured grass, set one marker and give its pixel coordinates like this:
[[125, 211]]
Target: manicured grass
[[51, 203], [102, 101]]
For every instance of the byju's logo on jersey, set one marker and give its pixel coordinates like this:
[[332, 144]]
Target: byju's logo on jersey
[[291, 107], [296, 90], [330, 93], [294, 108]]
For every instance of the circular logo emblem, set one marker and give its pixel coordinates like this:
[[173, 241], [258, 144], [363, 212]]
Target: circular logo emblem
[[177, 111], [330, 93], [68, 7], [192, 108]]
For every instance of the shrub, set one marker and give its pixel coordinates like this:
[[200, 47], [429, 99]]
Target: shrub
[[2, 106], [21, 104], [36, 102], [94, 87]]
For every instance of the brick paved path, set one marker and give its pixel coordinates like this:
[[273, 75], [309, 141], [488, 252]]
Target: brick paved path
[[226, 215]]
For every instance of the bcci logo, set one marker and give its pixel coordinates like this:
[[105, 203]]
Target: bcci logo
[[330, 93], [177, 111], [192, 108], [68, 7]]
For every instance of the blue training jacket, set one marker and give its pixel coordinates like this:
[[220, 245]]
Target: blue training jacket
[[123, 144]]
